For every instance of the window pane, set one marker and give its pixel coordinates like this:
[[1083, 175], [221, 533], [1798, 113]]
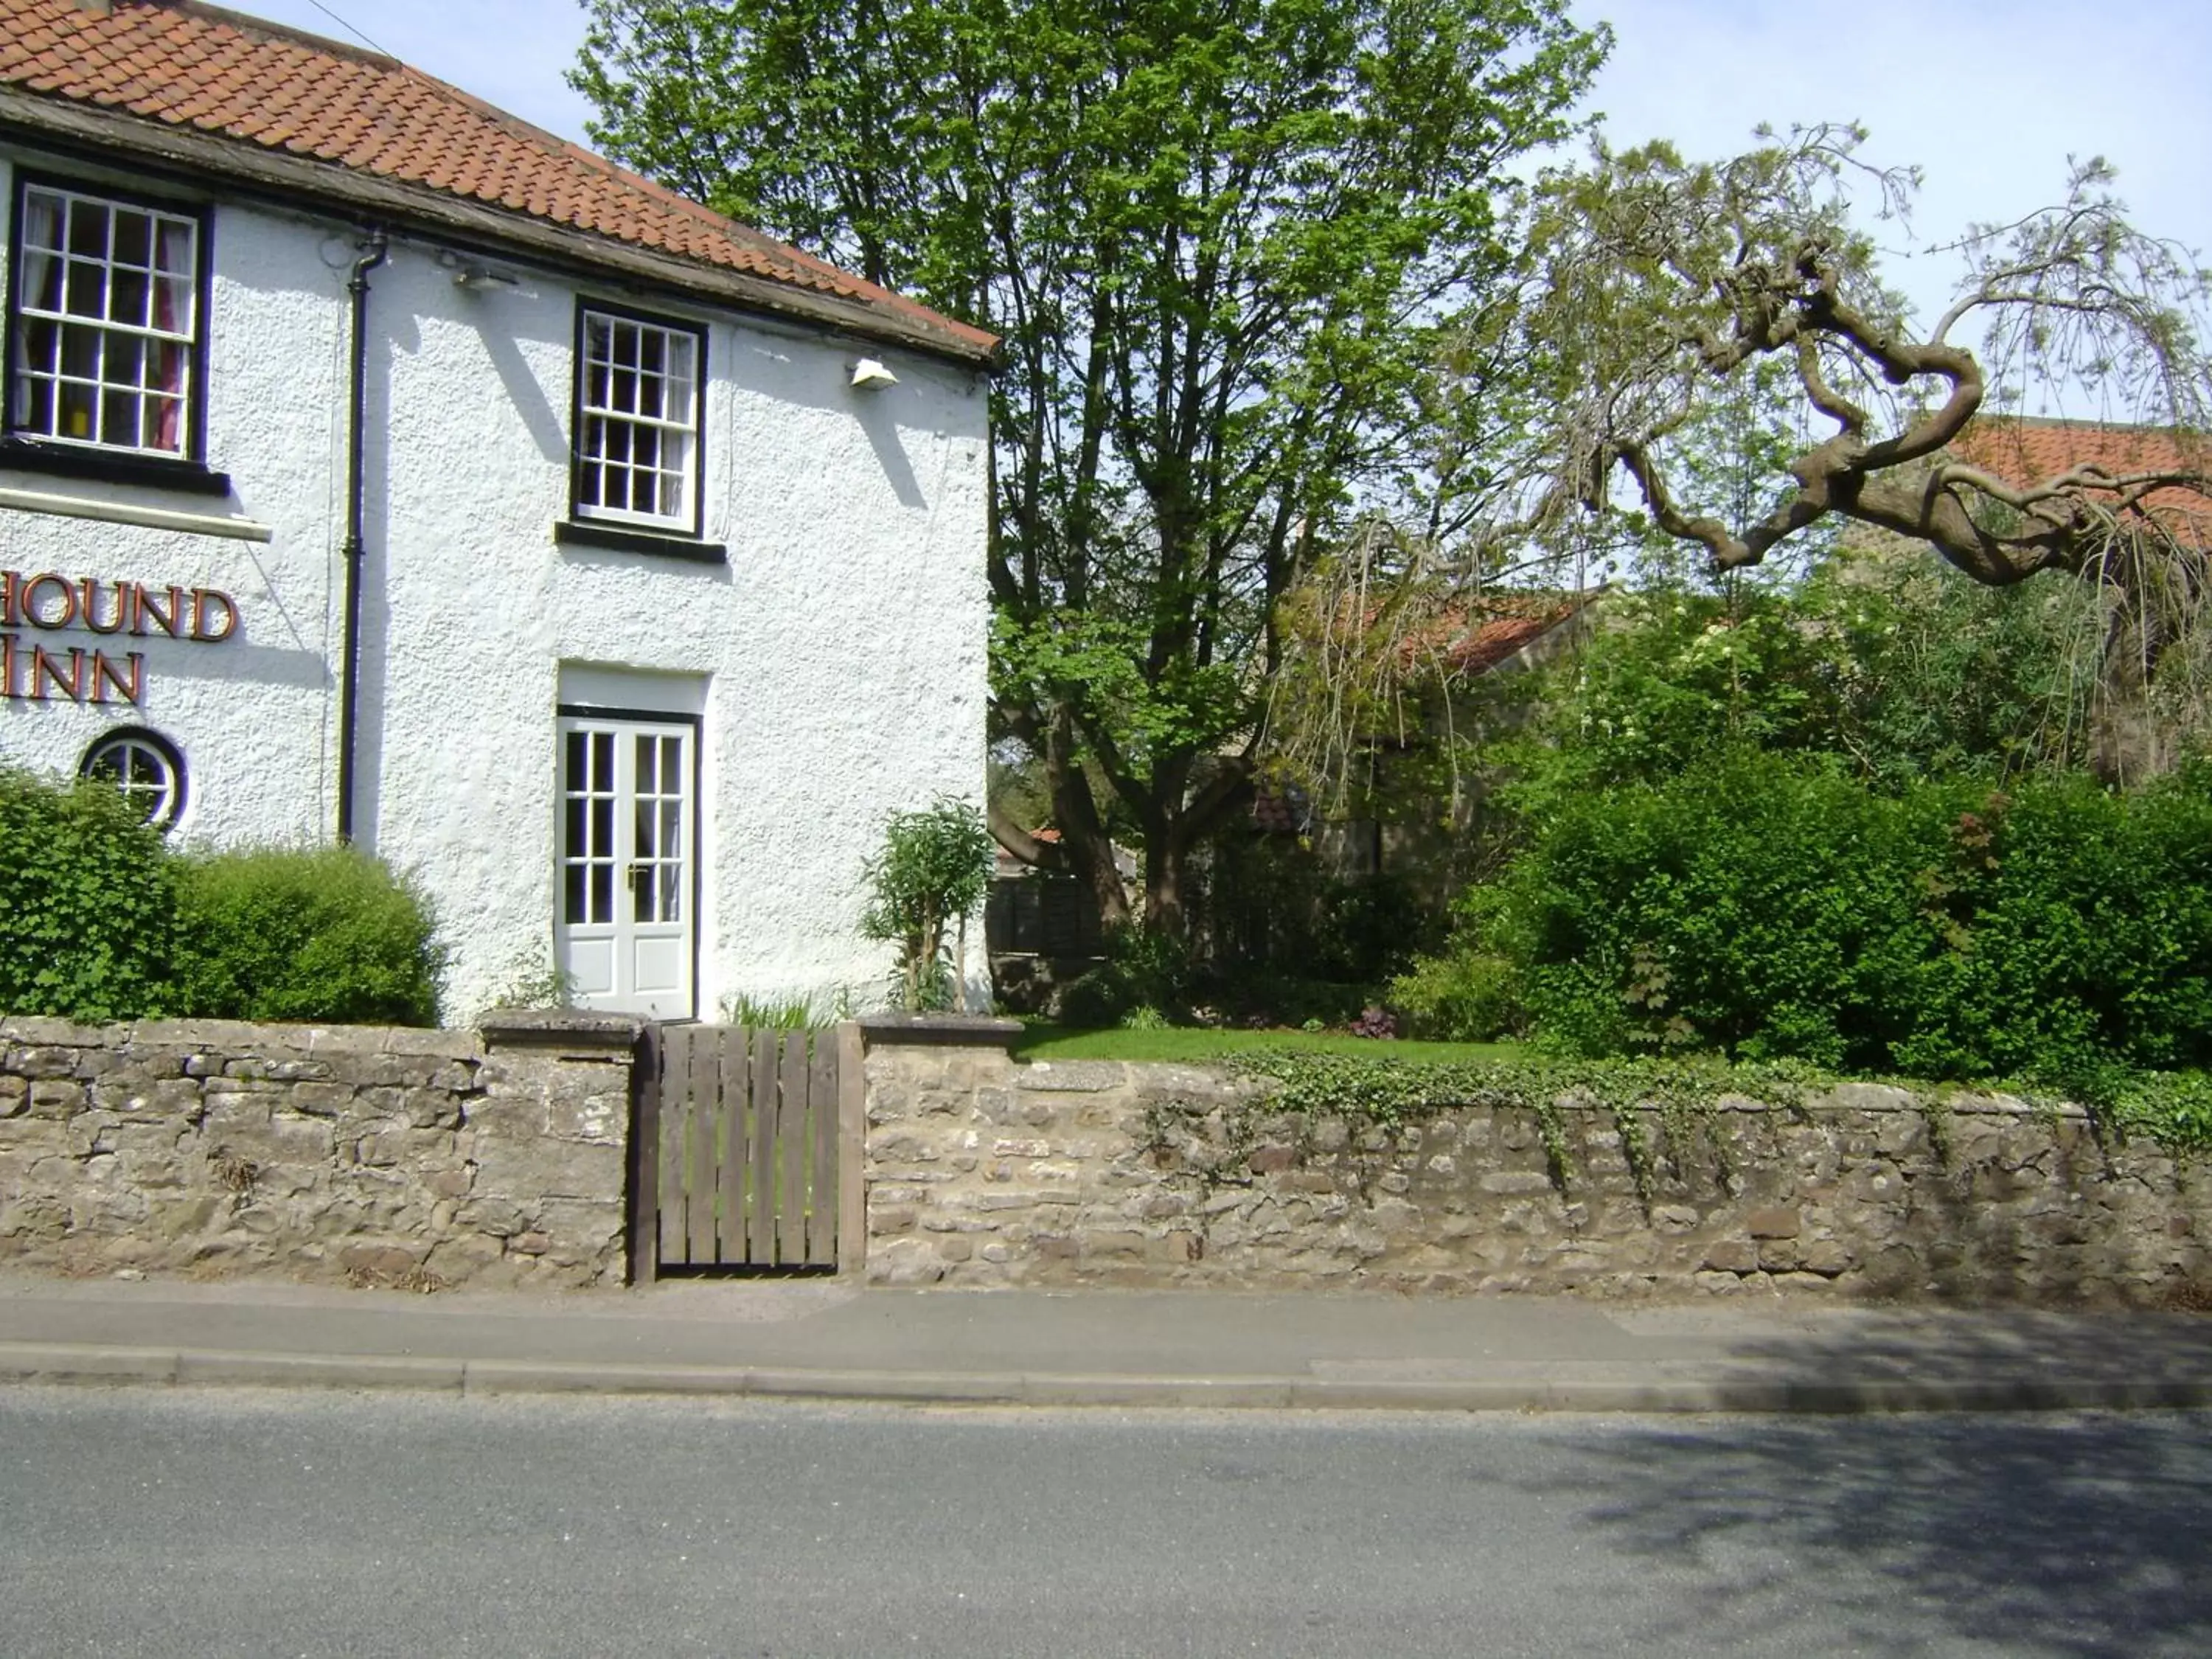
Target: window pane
[[42, 219], [125, 362], [572, 894], [173, 305], [89, 229], [602, 842], [85, 292], [175, 241], [119, 422], [128, 297], [603, 893], [602, 762], [572, 826], [134, 239], [75, 414]]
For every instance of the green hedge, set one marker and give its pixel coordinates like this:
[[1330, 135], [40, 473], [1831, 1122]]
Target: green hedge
[[1769, 906], [101, 920], [87, 904], [306, 934]]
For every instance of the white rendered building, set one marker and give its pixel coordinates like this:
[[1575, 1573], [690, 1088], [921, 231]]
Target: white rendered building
[[376, 465]]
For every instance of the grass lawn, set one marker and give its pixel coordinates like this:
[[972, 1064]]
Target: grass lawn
[[1199, 1043]]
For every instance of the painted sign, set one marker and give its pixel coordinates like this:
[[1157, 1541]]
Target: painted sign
[[33, 671]]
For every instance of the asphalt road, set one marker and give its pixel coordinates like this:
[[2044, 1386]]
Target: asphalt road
[[145, 1521]]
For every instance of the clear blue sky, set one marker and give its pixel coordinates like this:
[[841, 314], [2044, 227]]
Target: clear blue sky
[[1989, 96]]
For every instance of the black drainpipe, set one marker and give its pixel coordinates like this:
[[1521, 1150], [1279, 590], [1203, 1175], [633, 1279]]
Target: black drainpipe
[[372, 256]]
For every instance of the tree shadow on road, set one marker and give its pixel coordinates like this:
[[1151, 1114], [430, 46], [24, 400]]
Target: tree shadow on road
[[2058, 1533]]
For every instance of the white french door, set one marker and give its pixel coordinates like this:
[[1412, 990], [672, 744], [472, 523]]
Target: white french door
[[623, 926]]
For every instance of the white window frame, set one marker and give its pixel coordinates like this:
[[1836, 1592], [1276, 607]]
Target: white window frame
[[105, 375], [639, 385]]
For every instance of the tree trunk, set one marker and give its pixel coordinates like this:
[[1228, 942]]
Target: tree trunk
[[1167, 870], [1083, 834]]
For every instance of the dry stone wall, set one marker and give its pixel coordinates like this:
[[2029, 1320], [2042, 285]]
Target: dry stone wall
[[368, 1156], [981, 1171]]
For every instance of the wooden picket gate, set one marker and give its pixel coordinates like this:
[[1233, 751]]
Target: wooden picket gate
[[737, 1154]]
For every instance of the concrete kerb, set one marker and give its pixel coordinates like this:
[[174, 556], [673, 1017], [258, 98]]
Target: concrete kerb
[[74, 1364]]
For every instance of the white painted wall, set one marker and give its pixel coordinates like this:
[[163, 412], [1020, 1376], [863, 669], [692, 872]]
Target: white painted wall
[[842, 648]]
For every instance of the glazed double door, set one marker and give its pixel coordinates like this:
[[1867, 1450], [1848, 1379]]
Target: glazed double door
[[625, 927]]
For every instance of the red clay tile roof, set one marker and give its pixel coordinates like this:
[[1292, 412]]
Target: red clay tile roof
[[192, 65], [1475, 635], [2023, 451]]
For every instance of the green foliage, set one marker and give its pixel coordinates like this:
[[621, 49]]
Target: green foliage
[[1270, 903], [306, 934], [933, 869], [1462, 995], [1768, 906], [1143, 971], [1900, 670], [2078, 928], [1219, 245], [533, 980], [784, 1013], [87, 904], [1660, 290], [1392, 1092]]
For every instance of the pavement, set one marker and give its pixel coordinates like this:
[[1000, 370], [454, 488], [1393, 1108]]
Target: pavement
[[835, 1339]]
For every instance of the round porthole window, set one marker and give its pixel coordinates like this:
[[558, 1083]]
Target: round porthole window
[[146, 767]]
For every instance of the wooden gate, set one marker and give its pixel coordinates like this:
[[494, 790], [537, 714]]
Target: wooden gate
[[737, 1148]]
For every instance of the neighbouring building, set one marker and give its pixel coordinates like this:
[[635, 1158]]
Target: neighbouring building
[[377, 465]]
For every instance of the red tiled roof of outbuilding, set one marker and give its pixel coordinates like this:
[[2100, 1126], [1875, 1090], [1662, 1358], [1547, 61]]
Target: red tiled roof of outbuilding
[[2022, 450], [196, 66]]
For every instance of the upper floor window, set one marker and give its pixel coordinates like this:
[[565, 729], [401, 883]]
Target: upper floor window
[[106, 326], [637, 422]]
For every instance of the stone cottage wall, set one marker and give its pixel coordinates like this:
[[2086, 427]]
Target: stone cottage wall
[[352, 1154], [981, 1171]]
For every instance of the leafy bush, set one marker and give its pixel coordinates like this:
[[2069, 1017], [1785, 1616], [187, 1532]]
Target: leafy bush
[[1768, 906], [1461, 996], [306, 934], [88, 903], [2080, 923], [932, 872], [1902, 670], [1142, 971]]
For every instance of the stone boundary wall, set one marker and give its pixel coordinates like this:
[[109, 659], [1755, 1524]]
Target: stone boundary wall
[[353, 1154], [981, 1171]]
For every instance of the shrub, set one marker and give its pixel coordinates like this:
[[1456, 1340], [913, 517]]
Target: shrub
[[1461, 996], [88, 903], [306, 934], [2082, 934], [1142, 971], [1773, 906], [933, 871]]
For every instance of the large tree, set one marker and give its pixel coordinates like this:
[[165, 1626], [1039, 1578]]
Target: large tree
[[1220, 238], [1656, 287]]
